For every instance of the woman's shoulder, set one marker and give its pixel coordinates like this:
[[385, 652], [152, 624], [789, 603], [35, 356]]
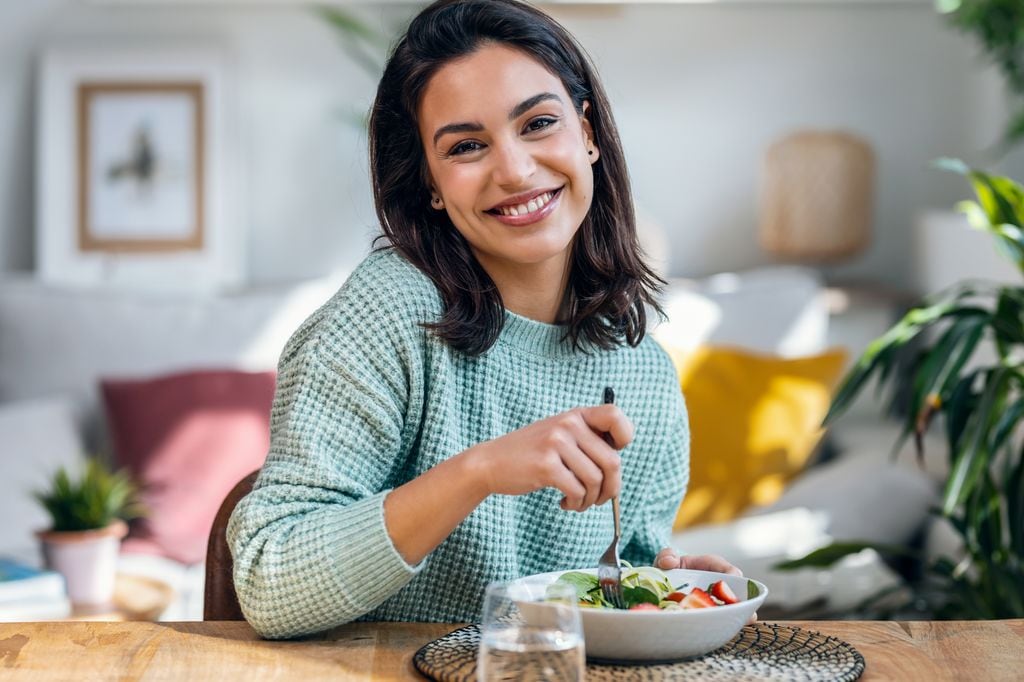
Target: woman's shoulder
[[386, 284], [385, 274], [385, 297]]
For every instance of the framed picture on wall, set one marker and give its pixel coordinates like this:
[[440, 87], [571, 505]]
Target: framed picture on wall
[[136, 169], [140, 166]]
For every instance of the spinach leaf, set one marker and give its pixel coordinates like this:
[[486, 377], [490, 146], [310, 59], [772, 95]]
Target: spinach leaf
[[639, 595]]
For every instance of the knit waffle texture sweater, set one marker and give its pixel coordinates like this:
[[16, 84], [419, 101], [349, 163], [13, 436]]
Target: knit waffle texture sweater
[[367, 400]]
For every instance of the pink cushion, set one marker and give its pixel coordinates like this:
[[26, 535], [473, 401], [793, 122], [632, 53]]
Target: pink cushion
[[187, 438]]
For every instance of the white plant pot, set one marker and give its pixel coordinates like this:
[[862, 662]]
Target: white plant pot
[[87, 559]]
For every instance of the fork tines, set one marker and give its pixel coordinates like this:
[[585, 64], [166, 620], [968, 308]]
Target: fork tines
[[610, 579]]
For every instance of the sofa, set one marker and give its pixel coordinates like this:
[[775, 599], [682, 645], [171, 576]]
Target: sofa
[[68, 355], [65, 354], [851, 485]]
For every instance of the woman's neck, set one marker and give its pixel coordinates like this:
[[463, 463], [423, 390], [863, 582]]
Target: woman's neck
[[535, 291]]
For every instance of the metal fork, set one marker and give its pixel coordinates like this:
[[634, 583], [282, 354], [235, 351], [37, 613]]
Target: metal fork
[[609, 568]]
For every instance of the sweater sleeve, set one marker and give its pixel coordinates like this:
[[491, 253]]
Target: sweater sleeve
[[662, 499], [310, 546]]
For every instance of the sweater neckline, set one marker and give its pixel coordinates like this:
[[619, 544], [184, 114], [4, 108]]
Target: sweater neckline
[[538, 338]]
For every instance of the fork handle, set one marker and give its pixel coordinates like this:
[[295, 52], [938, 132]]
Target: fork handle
[[608, 399], [615, 515]]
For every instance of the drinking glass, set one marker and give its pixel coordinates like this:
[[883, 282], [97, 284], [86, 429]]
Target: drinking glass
[[531, 631]]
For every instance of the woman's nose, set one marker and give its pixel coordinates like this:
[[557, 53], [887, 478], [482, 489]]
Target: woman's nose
[[513, 164]]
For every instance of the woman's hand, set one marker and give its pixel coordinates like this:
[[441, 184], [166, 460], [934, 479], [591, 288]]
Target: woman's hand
[[566, 451], [668, 559]]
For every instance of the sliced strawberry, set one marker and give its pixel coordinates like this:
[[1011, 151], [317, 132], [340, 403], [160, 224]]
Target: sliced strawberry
[[722, 593], [675, 596], [644, 607], [697, 599]]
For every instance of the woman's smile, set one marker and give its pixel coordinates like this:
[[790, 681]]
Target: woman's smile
[[527, 212]]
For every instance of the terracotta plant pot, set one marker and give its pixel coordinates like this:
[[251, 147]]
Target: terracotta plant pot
[[87, 559]]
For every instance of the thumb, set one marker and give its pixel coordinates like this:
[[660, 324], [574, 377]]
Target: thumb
[[667, 558]]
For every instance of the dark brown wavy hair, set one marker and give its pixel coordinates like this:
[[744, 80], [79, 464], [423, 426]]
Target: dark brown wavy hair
[[609, 284]]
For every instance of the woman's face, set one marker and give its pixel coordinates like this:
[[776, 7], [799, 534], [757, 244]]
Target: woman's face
[[508, 157]]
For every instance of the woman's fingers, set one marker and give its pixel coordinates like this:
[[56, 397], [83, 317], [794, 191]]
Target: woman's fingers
[[606, 459], [667, 559], [611, 420], [709, 562], [567, 451], [587, 472], [566, 482]]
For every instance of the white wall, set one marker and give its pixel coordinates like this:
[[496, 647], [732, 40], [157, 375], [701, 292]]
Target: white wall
[[700, 90]]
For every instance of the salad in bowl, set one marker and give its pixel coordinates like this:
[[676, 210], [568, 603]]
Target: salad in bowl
[[670, 615], [647, 588]]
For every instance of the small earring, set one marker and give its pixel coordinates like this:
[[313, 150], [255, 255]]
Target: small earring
[[437, 202], [590, 152]]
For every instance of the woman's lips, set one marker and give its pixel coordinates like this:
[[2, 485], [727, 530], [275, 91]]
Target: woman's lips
[[530, 218]]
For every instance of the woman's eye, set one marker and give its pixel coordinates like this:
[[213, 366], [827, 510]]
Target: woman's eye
[[540, 123], [464, 148]]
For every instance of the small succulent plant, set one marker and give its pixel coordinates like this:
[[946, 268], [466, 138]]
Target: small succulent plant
[[92, 501]]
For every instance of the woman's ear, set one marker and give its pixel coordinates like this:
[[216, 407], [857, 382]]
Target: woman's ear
[[593, 153], [436, 202]]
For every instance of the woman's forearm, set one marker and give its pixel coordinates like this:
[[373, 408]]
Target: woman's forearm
[[420, 514]]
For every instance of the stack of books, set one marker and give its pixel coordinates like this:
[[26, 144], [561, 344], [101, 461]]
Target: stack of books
[[28, 593]]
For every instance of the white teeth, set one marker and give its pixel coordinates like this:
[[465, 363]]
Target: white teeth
[[534, 204]]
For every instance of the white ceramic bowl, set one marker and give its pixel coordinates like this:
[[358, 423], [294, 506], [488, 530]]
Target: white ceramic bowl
[[620, 635]]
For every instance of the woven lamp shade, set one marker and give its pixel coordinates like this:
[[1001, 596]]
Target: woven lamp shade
[[817, 196]]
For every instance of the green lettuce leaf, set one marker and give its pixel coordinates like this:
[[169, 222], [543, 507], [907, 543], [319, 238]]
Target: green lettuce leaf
[[584, 583]]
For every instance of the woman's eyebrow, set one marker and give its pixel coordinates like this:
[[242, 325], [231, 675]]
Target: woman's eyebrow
[[528, 104], [517, 111]]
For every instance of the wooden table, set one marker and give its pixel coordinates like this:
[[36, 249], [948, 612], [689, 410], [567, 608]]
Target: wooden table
[[223, 651]]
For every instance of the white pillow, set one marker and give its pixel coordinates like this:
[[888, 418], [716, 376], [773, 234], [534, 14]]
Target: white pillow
[[779, 310], [36, 438]]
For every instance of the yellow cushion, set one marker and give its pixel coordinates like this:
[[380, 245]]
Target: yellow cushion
[[754, 422]]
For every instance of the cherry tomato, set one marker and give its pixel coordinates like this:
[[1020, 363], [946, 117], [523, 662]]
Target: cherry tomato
[[676, 597]]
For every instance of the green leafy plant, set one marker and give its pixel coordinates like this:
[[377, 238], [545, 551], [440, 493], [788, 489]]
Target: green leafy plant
[[981, 407], [92, 501], [364, 44], [999, 26]]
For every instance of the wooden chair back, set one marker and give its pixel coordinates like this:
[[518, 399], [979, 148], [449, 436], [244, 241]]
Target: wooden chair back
[[220, 601]]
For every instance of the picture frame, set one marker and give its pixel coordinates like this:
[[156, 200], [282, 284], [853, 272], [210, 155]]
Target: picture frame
[[137, 163], [135, 194]]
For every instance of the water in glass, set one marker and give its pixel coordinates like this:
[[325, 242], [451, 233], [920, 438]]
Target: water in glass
[[531, 630], [526, 653]]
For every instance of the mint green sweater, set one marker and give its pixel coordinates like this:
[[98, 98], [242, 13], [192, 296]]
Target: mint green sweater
[[368, 400]]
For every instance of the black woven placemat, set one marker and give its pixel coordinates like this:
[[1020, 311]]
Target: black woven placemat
[[763, 651]]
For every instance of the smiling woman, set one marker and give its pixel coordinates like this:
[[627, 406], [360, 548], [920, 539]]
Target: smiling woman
[[513, 174], [437, 424]]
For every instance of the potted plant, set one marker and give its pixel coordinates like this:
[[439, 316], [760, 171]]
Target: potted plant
[[88, 522], [980, 404]]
